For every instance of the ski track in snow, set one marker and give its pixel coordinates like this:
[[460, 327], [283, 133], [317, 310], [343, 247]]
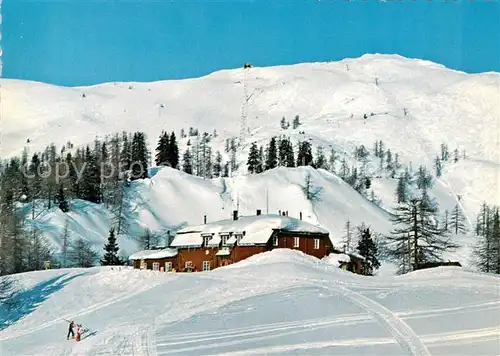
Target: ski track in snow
[[231, 290]]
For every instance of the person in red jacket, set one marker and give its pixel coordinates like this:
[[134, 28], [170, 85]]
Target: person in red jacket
[[79, 331]]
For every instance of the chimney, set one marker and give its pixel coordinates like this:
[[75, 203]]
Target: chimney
[[300, 215], [204, 219], [235, 214], [258, 212]]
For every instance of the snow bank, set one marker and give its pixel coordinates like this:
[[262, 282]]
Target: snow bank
[[335, 259]]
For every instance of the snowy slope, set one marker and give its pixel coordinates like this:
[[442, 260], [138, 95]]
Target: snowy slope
[[277, 303], [442, 105], [172, 199]]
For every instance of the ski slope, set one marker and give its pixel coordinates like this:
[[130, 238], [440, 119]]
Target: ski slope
[[441, 106], [275, 303]]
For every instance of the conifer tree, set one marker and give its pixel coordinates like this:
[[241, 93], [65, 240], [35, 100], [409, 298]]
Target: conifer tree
[[217, 167], [282, 151], [82, 254], [173, 151], [304, 155], [91, 182], [487, 247], [260, 167], [368, 249], [140, 156], [187, 162], [446, 221], [253, 158], [110, 257], [424, 179], [283, 123], [320, 162], [332, 160], [415, 238], [290, 156], [457, 222], [61, 198], [402, 190], [271, 155], [344, 170], [126, 153], [438, 166], [163, 150]]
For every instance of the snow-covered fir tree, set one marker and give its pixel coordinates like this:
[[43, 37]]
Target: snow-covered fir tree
[[271, 154], [368, 249], [111, 249], [304, 155]]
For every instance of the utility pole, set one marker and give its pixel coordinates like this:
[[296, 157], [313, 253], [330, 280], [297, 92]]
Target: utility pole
[[267, 201]]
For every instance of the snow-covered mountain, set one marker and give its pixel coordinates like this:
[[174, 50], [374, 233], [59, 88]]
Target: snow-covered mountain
[[276, 303], [413, 106]]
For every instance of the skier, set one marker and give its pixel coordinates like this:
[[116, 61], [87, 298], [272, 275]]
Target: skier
[[70, 330]]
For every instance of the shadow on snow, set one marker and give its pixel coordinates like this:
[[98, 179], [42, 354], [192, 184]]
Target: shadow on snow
[[24, 302]]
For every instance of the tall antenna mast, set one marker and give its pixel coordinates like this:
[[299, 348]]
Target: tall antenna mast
[[244, 106]]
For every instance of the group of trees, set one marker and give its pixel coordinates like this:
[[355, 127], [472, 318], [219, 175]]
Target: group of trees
[[200, 160], [279, 152], [487, 248], [417, 237], [31, 185], [366, 243], [285, 124], [167, 151], [444, 156]]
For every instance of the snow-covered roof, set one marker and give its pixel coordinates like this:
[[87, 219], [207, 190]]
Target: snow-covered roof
[[337, 259], [187, 239], [153, 254], [257, 229]]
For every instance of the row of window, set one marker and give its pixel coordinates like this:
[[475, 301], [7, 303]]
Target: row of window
[[168, 265], [206, 264], [296, 242], [224, 238]]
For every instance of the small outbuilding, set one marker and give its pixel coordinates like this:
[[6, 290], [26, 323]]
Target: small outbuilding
[[163, 260]]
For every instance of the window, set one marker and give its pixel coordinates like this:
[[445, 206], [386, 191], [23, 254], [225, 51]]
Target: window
[[206, 265], [275, 241], [295, 242], [188, 264], [316, 244], [156, 266], [143, 264], [168, 266], [206, 239]]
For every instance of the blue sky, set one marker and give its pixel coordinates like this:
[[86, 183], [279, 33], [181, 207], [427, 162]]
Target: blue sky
[[84, 42]]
